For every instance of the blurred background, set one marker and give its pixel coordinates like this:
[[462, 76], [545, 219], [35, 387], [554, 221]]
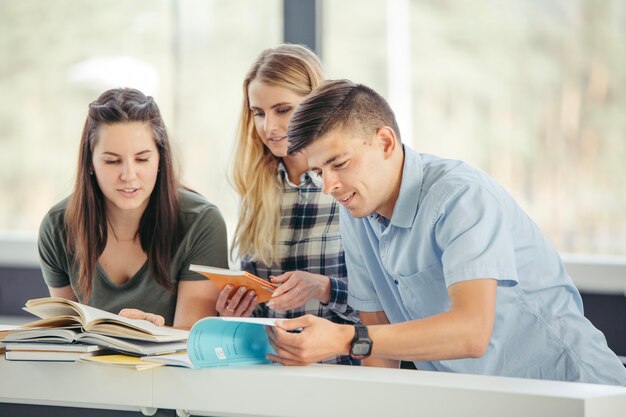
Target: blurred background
[[533, 92]]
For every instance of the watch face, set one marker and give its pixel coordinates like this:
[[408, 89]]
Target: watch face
[[361, 349], [361, 346]]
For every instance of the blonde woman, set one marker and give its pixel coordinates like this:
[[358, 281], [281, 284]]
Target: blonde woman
[[288, 231]]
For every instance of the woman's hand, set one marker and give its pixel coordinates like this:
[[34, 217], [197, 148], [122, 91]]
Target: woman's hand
[[297, 288], [238, 302], [133, 313]]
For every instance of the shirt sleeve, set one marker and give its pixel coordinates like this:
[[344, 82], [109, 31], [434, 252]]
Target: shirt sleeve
[[361, 292], [475, 237], [338, 301], [206, 243], [52, 254]]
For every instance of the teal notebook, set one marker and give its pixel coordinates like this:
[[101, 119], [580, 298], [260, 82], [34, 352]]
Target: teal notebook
[[223, 341]]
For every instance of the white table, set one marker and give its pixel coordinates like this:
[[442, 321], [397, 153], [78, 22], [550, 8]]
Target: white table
[[302, 391], [75, 385]]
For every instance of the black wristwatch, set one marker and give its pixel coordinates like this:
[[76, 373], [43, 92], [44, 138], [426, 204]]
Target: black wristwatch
[[361, 346]]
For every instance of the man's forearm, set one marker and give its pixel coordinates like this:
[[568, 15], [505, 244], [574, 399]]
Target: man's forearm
[[381, 363]]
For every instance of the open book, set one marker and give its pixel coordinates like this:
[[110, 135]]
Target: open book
[[5, 329], [59, 312], [67, 335], [223, 341], [222, 277]]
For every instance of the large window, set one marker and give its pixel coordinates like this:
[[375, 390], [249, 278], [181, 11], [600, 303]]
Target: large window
[[58, 56], [533, 92]]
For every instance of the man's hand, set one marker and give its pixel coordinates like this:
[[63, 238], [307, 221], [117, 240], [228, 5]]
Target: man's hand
[[133, 313], [297, 288], [236, 303], [308, 339]]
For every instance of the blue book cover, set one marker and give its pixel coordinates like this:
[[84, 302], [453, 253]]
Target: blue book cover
[[223, 341]]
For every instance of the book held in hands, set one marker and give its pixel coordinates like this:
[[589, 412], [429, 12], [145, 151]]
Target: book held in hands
[[223, 341], [222, 277]]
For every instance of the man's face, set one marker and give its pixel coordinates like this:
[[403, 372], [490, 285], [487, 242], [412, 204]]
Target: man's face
[[354, 169]]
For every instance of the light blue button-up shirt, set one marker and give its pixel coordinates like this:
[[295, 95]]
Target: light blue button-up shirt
[[453, 223]]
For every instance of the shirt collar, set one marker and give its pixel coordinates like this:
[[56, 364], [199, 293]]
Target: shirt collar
[[307, 178], [405, 210]]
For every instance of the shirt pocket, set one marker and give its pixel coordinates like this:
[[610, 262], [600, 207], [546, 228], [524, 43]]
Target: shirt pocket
[[424, 293]]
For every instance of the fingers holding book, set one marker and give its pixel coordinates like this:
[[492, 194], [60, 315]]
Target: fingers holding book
[[308, 339], [236, 302], [297, 288]]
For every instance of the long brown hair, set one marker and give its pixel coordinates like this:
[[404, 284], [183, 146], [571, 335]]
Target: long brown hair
[[85, 217], [255, 168]]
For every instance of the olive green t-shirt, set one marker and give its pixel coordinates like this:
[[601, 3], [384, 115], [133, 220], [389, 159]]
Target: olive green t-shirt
[[204, 242]]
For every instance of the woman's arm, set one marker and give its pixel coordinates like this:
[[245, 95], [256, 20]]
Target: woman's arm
[[63, 292], [195, 300]]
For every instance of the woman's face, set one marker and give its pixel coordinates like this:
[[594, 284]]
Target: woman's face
[[126, 164], [272, 107]]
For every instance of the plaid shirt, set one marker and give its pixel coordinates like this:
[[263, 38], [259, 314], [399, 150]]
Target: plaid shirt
[[309, 240]]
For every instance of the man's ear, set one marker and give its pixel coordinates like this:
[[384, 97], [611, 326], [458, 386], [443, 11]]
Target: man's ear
[[387, 139]]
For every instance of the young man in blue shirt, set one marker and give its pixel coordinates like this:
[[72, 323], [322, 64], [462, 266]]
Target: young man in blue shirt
[[445, 268]]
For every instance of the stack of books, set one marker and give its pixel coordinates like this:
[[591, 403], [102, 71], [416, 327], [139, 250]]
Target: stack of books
[[68, 330], [56, 352]]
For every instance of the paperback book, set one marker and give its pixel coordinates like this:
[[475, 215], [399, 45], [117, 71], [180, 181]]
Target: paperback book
[[120, 361], [222, 277], [56, 352], [223, 341]]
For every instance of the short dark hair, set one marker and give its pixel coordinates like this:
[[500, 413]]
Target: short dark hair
[[338, 104]]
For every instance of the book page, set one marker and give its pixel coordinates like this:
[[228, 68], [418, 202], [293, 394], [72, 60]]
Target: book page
[[46, 355], [53, 309], [53, 322], [122, 361], [134, 347], [56, 307], [173, 359], [55, 347], [51, 334], [5, 329], [264, 321], [214, 341], [214, 270]]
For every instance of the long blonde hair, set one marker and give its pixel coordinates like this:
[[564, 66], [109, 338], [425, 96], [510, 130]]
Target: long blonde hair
[[255, 168]]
